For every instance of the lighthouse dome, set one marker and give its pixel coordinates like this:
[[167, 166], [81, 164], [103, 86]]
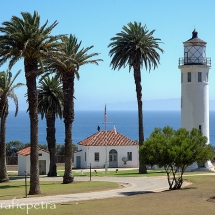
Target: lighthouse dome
[[194, 50], [195, 39]]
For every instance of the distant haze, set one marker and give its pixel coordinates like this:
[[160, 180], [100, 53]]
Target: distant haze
[[173, 104]]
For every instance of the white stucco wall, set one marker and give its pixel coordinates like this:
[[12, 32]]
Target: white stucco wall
[[121, 152], [24, 162], [45, 156], [81, 152], [195, 99], [195, 103]]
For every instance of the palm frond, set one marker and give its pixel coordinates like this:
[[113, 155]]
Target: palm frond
[[135, 46], [7, 88], [50, 96], [24, 38], [71, 56]]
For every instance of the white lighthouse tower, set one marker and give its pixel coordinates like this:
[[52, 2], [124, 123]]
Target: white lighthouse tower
[[194, 68]]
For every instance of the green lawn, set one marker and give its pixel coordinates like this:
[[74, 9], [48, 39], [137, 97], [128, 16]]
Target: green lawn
[[197, 199], [125, 173], [16, 189], [111, 173]]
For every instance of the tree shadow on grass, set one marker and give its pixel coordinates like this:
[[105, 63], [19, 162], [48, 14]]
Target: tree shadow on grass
[[211, 199], [16, 177], [181, 189], [188, 188], [11, 186], [132, 193]]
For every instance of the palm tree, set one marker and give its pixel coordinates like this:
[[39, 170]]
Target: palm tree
[[67, 66], [6, 91], [136, 47], [24, 38], [50, 98]]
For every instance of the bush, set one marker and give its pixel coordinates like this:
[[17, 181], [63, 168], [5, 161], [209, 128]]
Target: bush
[[175, 150]]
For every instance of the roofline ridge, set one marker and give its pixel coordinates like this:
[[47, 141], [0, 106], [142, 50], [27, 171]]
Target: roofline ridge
[[91, 140], [29, 147]]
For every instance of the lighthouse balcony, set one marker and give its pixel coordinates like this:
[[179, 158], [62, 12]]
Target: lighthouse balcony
[[194, 61]]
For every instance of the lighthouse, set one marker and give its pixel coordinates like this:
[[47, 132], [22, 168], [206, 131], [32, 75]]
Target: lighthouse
[[195, 68]]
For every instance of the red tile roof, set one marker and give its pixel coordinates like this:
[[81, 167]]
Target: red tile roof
[[27, 151], [113, 138]]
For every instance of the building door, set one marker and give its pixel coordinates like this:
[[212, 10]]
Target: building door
[[42, 167], [113, 158], [78, 162], [186, 58]]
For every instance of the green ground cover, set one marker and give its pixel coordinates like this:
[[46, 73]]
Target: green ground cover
[[198, 199], [125, 173], [16, 189], [112, 172]]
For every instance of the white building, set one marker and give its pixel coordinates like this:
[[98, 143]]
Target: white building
[[194, 68], [107, 145], [24, 161]]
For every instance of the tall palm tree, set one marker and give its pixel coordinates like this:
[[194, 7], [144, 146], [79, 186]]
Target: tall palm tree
[[136, 47], [7, 88], [25, 38], [67, 66], [50, 99]]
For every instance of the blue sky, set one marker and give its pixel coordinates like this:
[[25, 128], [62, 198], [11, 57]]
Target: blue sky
[[94, 22]]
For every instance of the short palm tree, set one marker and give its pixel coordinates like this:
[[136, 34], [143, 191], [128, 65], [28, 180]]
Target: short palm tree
[[67, 66], [7, 88], [50, 103], [136, 47], [25, 38]]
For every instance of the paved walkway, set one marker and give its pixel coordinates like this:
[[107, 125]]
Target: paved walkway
[[129, 186]]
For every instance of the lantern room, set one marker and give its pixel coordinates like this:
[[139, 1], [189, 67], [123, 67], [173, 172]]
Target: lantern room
[[194, 52]]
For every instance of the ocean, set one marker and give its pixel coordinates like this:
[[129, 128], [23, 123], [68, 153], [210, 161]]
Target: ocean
[[86, 123]]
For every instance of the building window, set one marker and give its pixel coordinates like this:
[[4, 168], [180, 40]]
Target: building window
[[96, 156], [189, 77], [40, 154], [207, 77], [85, 156], [129, 156], [181, 77], [200, 128], [199, 77]]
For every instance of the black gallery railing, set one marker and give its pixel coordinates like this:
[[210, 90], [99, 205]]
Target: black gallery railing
[[194, 61]]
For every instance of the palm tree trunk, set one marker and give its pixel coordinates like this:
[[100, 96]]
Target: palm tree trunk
[[137, 78], [68, 115], [3, 167], [50, 122], [31, 71]]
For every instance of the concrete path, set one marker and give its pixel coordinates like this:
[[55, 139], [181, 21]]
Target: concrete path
[[129, 186]]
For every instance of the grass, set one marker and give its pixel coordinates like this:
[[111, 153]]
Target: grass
[[196, 199], [112, 172], [125, 173], [16, 189], [119, 173]]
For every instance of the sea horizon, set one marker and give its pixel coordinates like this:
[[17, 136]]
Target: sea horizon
[[86, 122]]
